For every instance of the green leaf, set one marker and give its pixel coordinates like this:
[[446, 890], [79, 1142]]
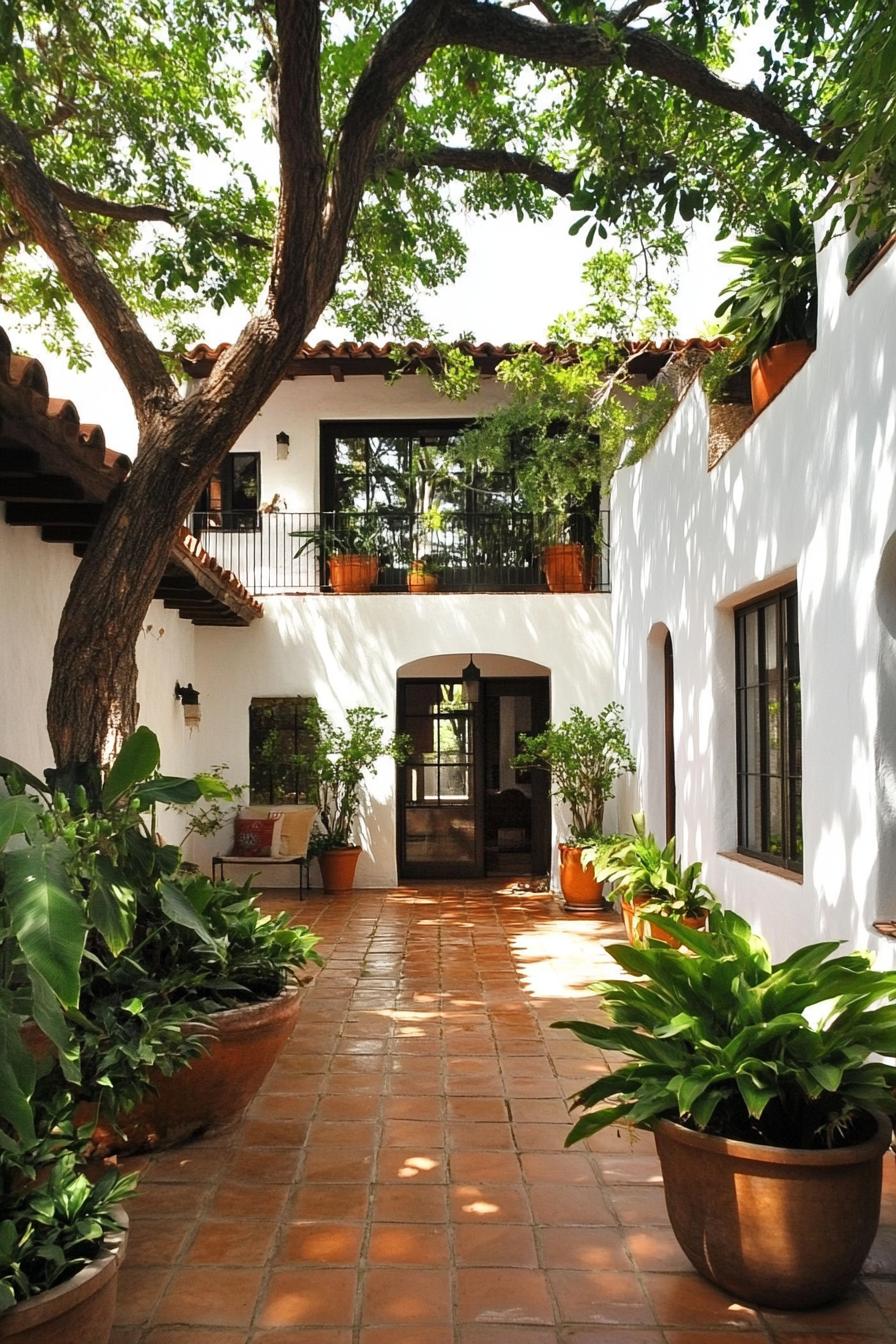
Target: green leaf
[[168, 789], [50, 1018], [135, 762], [112, 906], [17, 772], [47, 920], [212, 786], [19, 815], [17, 1078], [178, 908]]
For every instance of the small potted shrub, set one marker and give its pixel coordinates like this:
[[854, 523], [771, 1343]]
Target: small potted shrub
[[771, 309], [584, 756], [334, 768], [768, 1101], [351, 544], [649, 880]]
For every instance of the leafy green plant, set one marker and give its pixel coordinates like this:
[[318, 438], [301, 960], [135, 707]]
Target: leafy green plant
[[209, 813], [640, 868], [726, 1042], [335, 767], [775, 298], [346, 534], [584, 756]]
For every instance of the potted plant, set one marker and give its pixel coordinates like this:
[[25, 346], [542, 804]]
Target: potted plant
[[334, 768], [649, 880], [351, 543], [62, 1235], [178, 967], [767, 1098], [771, 309], [584, 756]]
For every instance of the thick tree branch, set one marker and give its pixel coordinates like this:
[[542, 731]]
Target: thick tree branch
[[84, 202], [491, 28], [127, 345], [458, 158]]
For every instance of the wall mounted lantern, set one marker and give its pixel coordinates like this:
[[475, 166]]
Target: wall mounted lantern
[[282, 446], [189, 699], [471, 677]]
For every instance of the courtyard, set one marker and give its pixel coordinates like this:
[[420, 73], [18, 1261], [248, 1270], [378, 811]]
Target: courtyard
[[402, 1179]]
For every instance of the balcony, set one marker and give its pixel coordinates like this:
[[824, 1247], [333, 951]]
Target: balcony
[[469, 553]]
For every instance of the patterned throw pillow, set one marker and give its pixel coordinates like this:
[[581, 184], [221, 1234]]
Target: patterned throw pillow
[[253, 837]]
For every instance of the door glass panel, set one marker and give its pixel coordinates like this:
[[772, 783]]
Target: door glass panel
[[439, 820]]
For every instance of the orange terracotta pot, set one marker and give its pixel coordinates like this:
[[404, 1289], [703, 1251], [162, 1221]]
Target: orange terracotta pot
[[564, 567], [337, 867], [419, 581], [774, 370], [79, 1311], [580, 889], [781, 1227], [210, 1095], [637, 929], [353, 573]]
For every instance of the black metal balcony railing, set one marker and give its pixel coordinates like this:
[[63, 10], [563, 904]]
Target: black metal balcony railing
[[470, 553]]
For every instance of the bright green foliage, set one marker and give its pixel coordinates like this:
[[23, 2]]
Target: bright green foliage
[[638, 866], [724, 1041], [335, 767], [186, 86], [775, 298], [568, 424], [358, 534], [585, 756]]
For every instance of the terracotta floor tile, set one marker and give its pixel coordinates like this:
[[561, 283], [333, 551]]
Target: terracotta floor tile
[[329, 1202], [539, 1138], [687, 1299], [188, 1164], [265, 1166], [423, 1133], [165, 1201], [558, 1169], [613, 1334], [497, 1168], [323, 1244], [409, 1204], [477, 1108], [406, 1297], [362, 1106], [506, 1334], [495, 1244], [338, 1162], [299, 1296], [270, 1106], [155, 1241], [742, 1336], [407, 1334], [412, 1108], [583, 1248], [857, 1312], [474, 1136], [569, 1206], [629, 1168], [210, 1297], [408, 1244], [606, 1297], [412, 1162], [232, 1243], [655, 1248], [294, 1337], [351, 1134], [167, 1334], [139, 1290], [503, 1297], [638, 1206], [275, 1133], [491, 1202], [234, 1200]]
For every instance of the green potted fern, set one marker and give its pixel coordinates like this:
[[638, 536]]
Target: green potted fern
[[765, 1090]]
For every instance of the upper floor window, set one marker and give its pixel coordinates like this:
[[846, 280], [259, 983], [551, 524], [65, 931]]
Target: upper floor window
[[233, 494], [769, 752]]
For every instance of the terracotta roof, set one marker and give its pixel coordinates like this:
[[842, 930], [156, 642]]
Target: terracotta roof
[[341, 357], [56, 472]]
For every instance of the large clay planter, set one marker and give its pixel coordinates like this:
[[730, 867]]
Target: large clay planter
[[638, 929], [580, 890], [337, 867], [774, 370], [781, 1227], [564, 567], [79, 1311], [420, 580], [353, 573], [210, 1095]]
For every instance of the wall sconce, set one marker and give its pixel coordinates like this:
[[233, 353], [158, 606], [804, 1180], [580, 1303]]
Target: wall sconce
[[282, 446], [189, 699], [471, 677]]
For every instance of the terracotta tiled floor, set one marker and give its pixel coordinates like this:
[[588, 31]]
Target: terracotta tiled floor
[[402, 1178]]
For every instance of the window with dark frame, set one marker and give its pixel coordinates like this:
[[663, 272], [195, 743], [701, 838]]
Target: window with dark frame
[[278, 731], [233, 495], [769, 730]]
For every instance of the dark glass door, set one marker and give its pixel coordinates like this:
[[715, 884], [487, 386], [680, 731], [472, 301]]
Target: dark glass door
[[463, 811]]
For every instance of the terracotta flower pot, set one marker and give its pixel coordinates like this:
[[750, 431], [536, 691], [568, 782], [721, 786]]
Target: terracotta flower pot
[[781, 1227], [353, 573], [637, 929], [774, 370], [580, 889], [79, 1311], [210, 1095], [337, 867], [419, 580], [564, 567]]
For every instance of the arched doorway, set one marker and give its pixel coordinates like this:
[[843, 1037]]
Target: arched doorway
[[463, 810]]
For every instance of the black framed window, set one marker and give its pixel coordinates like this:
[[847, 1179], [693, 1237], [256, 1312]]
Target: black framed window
[[278, 730], [769, 729], [233, 495]]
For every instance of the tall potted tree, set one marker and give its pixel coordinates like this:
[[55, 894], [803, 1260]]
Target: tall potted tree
[[584, 757], [767, 1097], [334, 768]]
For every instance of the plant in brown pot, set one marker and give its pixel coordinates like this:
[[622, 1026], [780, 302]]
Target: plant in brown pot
[[334, 768], [649, 880], [351, 543], [766, 1096], [584, 756]]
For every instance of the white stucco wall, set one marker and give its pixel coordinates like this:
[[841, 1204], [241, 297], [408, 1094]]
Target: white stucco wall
[[34, 581], [808, 492]]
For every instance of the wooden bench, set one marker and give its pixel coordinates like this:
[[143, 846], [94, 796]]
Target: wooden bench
[[298, 820]]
